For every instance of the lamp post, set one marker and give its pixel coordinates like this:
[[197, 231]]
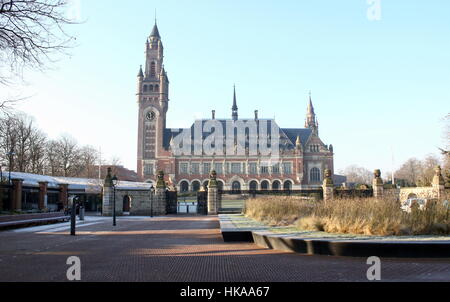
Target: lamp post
[[114, 181], [152, 196]]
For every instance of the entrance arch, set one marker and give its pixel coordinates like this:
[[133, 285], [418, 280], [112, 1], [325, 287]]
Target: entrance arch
[[126, 203], [253, 185]]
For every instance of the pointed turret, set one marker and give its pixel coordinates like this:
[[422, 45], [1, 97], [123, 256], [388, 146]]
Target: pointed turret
[[140, 73], [235, 114], [298, 143], [155, 32], [311, 121]]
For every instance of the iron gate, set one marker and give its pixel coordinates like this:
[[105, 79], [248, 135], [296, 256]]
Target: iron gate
[[202, 203], [171, 202]]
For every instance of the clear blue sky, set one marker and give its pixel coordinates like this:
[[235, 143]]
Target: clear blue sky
[[375, 84]]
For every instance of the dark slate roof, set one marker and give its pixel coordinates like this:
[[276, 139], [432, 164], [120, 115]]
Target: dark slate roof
[[288, 137], [304, 134], [155, 32]]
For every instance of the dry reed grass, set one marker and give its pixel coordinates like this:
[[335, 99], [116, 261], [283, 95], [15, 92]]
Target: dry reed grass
[[368, 216]]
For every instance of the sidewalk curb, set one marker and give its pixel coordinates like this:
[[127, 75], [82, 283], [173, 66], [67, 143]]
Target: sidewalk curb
[[330, 247], [353, 248]]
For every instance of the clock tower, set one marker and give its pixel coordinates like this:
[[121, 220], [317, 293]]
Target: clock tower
[[153, 99]]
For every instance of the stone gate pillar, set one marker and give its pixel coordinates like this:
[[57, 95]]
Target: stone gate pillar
[[328, 186], [64, 195], [107, 207], [17, 194], [438, 184], [160, 198], [213, 194], [377, 185], [43, 197]]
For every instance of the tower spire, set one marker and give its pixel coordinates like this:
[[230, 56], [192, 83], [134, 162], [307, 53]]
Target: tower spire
[[155, 31], [235, 107], [311, 121]]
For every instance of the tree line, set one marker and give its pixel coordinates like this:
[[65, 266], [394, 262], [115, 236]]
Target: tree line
[[27, 149]]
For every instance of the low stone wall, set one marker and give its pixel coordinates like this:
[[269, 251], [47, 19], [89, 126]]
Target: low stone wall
[[419, 192]]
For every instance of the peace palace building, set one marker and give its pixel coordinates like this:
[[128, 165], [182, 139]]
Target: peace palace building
[[303, 156]]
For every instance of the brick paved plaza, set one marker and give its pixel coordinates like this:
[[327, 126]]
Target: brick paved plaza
[[181, 249]]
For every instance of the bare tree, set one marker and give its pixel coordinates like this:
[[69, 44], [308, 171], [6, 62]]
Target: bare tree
[[8, 139], [30, 32], [410, 171], [53, 159], [427, 172], [88, 158], [356, 174], [69, 154], [37, 152]]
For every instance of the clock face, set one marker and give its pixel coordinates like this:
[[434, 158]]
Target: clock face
[[151, 116]]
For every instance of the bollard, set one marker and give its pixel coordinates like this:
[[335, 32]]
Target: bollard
[[73, 218], [82, 213]]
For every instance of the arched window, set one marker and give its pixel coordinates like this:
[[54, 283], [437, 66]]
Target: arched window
[[236, 186], [196, 186], [151, 87], [156, 88], [314, 175], [265, 185], [220, 185], [287, 185], [145, 88], [276, 185], [184, 187], [253, 185], [153, 69]]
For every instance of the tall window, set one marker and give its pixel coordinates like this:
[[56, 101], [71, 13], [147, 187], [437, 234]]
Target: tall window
[[206, 168], [252, 168], [236, 168], [195, 168], [184, 168], [264, 170], [276, 169], [287, 168], [218, 168], [315, 175], [153, 69], [149, 170]]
